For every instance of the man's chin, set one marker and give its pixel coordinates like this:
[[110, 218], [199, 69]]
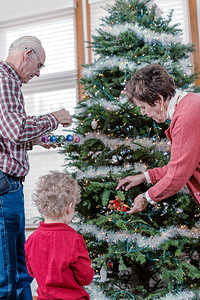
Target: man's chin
[[26, 80]]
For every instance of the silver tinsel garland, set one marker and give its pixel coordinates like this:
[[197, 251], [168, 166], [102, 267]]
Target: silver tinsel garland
[[93, 172], [124, 64], [134, 144], [147, 35], [111, 106], [154, 242], [184, 295], [97, 294]]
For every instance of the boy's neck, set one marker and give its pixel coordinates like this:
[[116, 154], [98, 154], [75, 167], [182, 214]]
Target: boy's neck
[[61, 220]]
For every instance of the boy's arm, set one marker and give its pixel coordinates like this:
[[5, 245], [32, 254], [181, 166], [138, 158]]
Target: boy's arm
[[81, 265], [27, 262]]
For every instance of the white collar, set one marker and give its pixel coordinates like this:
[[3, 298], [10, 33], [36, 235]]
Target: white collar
[[173, 103]]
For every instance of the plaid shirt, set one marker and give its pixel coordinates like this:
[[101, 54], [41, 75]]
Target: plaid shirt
[[16, 128]]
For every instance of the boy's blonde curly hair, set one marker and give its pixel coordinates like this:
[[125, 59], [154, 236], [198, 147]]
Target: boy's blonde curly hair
[[54, 192]]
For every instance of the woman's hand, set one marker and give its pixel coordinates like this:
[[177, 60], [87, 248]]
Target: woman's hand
[[130, 181], [139, 204]]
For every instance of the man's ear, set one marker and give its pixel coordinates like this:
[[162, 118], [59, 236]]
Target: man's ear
[[27, 54]]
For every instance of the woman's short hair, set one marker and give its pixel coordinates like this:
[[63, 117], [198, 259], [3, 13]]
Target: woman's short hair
[[54, 192], [148, 83]]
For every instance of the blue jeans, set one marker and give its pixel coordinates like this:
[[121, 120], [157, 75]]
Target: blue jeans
[[14, 278]]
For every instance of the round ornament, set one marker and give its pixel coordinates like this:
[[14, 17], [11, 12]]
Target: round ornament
[[53, 139], [45, 139], [124, 91], [69, 138], [78, 139], [110, 264], [61, 139]]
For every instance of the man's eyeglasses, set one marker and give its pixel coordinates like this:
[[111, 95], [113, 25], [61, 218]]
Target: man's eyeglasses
[[40, 65]]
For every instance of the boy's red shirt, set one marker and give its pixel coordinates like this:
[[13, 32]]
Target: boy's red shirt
[[57, 257]]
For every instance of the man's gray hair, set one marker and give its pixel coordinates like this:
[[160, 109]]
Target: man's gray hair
[[27, 41]]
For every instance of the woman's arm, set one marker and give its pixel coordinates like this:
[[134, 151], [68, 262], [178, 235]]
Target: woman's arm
[[185, 153]]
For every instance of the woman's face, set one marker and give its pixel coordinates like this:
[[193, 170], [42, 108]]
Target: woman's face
[[157, 112]]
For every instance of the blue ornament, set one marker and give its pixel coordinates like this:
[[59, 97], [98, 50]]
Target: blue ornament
[[69, 138], [53, 139]]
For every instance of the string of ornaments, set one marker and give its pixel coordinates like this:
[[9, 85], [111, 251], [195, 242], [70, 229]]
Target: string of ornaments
[[60, 139]]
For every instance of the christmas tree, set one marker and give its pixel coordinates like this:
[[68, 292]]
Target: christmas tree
[[153, 254]]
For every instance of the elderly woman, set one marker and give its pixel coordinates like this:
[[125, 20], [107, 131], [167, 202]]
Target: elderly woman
[[152, 89]]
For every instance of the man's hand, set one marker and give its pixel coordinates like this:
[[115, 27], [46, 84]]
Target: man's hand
[[139, 204], [44, 145], [130, 181], [63, 117]]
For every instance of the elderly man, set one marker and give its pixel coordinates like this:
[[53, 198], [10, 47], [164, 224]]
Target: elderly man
[[17, 131]]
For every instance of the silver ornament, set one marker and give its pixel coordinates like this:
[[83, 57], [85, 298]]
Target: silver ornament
[[94, 124]]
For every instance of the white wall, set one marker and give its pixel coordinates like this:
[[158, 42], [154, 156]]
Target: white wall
[[14, 12], [16, 9]]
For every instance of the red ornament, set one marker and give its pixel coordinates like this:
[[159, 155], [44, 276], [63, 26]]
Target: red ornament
[[124, 209], [118, 205], [109, 264], [124, 91]]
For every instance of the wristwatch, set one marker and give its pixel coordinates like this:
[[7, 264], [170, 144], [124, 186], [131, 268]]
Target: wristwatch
[[144, 197]]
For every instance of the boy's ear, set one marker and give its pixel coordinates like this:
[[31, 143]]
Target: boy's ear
[[69, 208]]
